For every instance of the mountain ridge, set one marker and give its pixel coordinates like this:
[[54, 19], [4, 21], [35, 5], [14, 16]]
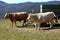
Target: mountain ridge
[[26, 6]]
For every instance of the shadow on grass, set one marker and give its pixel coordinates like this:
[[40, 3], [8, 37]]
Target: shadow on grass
[[44, 27], [56, 26], [26, 26]]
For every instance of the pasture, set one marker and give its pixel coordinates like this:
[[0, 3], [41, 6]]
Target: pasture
[[26, 33]]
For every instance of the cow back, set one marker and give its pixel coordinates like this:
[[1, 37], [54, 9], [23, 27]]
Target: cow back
[[20, 17]]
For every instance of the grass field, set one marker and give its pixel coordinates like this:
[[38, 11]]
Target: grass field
[[13, 33]]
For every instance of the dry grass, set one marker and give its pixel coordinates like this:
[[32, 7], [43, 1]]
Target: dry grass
[[13, 33]]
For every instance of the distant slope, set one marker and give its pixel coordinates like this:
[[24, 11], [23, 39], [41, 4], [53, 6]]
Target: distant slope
[[27, 6], [2, 3]]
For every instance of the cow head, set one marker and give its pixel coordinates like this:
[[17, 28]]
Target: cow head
[[56, 19]]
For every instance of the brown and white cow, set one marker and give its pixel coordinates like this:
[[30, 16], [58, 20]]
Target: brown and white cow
[[39, 18], [16, 16]]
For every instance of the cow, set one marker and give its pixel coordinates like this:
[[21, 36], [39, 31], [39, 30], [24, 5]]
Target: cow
[[16, 16], [39, 18]]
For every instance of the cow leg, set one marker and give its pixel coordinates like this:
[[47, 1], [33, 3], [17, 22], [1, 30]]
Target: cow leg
[[15, 23], [36, 26], [12, 24], [51, 24], [24, 22]]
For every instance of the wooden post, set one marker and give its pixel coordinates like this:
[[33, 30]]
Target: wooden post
[[41, 8]]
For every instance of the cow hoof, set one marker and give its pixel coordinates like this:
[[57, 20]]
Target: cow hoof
[[39, 29], [51, 28]]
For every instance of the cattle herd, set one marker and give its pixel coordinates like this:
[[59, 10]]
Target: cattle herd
[[36, 18]]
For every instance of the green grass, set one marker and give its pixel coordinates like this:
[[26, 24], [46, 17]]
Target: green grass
[[13, 33]]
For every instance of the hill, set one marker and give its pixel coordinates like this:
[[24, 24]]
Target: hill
[[27, 6]]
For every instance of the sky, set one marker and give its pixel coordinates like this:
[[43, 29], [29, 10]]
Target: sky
[[21, 1]]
